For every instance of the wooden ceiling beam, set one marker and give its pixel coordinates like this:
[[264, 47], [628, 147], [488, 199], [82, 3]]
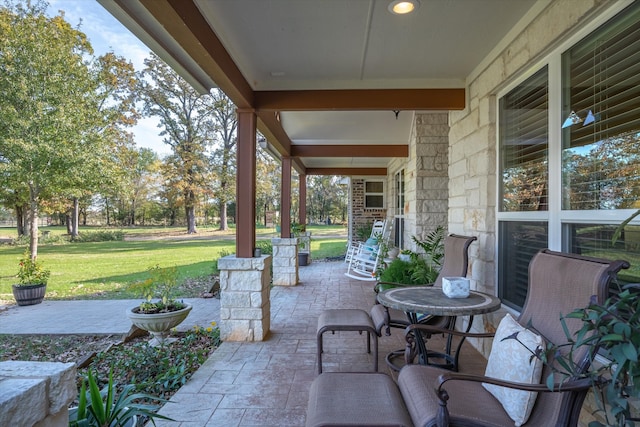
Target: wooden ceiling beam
[[350, 151], [348, 171], [360, 99], [184, 22]]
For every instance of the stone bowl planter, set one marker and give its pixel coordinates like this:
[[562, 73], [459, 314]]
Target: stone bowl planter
[[29, 294], [159, 324]]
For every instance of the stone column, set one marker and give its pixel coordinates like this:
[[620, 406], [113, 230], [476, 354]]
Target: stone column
[[245, 309], [285, 262]]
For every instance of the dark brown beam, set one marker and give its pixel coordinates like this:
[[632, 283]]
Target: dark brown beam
[[183, 20], [350, 150], [285, 198], [347, 171], [271, 128], [302, 202], [360, 99], [246, 185]]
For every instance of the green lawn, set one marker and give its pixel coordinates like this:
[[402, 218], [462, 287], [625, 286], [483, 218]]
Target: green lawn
[[104, 269]]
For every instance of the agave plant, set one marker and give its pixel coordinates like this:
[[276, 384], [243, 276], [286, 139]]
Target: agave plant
[[100, 408]]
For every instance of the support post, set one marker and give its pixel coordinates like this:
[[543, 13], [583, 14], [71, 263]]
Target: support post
[[302, 214], [285, 199], [246, 184]]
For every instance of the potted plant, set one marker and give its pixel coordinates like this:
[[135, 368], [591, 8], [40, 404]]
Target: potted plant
[[614, 329], [158, 317], [100, 408], [33, 278]]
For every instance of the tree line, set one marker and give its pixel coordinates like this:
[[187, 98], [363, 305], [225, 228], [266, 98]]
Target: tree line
[[66, 146]]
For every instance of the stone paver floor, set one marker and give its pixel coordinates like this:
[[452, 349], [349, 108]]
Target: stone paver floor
[[267, 383]]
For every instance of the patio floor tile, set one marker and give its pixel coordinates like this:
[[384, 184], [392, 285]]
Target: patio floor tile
[[267, 383]]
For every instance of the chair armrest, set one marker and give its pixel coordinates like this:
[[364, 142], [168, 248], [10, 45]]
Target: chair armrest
[[572, 385]]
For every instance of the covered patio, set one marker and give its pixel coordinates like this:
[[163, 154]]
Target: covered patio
[[267, 383]]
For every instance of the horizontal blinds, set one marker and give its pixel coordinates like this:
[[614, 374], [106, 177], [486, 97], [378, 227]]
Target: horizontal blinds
[[519, 242], [602, 81], [604, 78], [524, 145]]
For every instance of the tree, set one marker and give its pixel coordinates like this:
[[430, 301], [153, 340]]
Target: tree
[[268, 186], [223, 157], [51, 133], [185, 121]]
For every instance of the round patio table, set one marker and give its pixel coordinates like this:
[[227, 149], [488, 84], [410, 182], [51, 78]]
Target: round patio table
[[430, 300]]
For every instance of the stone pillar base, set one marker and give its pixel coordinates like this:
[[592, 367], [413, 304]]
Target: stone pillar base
[[36, 393], [285, 261], [245, 310]]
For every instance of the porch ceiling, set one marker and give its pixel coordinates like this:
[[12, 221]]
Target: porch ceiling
[[326, 77]]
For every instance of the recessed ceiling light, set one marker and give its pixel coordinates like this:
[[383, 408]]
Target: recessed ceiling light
[[277, 73], [402, 7]]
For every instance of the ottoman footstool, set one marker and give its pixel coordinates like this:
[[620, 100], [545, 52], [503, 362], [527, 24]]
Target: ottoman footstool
[[356, 399], [347, 319]]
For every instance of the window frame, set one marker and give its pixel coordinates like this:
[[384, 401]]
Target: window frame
[[374, 193], [558, 220]]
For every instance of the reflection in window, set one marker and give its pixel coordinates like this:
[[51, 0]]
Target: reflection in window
[[519, 242], [524, 145], [596, 240], [601, 84]]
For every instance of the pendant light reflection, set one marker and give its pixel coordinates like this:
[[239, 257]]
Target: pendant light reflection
[[574, 119], [589, 119]]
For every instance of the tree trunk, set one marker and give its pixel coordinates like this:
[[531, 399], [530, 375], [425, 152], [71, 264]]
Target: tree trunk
[[106, 208], [67, 222], [33, 222], [223, 216], [75, 217], [133, 212], [20, 220], [191, 219]]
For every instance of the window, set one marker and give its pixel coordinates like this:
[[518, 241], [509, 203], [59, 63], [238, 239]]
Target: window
[[569, 155], [601, 85], [399, 209], [524, 145], [374, 194]]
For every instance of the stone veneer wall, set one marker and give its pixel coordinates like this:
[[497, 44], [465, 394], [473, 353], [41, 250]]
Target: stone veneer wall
[[473, 143], [426, 177], [359, 214], [285, 261], [245, 308], [473, 133], [36, 393]]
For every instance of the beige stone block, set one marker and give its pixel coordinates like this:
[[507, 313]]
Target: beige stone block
[[246, 313], [236, 330], [23, 401], [235, 299], [230, 262], [60, 419], [259, 299], [60, 378]]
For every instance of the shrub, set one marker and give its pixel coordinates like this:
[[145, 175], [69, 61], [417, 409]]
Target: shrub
[[163, 369], [100, 236]]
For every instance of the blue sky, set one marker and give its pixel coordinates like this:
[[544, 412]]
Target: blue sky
[[107, 34]]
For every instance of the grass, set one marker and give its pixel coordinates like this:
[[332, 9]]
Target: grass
[[105, 269]]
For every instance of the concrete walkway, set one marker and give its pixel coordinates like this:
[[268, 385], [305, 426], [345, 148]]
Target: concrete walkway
[[92, 317]]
